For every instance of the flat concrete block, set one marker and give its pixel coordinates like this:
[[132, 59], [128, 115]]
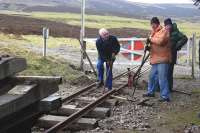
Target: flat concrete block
[[98, 112], [15, 99], [9, 66], [22, 96], [50, 103], [48, 121]]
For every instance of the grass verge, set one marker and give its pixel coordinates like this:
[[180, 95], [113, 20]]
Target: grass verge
[[39, 66]]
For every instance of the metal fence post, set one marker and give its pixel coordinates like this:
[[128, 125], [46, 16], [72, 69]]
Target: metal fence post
[[193, 54]]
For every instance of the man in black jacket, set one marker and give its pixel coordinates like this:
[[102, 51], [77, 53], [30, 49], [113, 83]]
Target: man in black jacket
[[108, 47], [177, 39]]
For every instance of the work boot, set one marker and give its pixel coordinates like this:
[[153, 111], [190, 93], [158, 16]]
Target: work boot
[[164, 100], [148, 95], [106, 90], [100, 84]]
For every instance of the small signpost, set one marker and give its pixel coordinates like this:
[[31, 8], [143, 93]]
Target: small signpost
[[45, 33]]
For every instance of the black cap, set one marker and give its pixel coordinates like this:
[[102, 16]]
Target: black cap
[[168, 21], [155, 20]]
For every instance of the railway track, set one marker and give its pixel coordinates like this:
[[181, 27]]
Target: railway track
[[84, 103]]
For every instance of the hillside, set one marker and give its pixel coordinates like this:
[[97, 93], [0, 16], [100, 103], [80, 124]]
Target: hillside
[[105, 7], [21, 25]]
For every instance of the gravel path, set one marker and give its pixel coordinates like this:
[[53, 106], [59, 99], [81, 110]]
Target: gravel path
[[129, 117]]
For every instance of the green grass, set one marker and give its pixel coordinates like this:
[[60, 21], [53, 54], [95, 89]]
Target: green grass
[[93, 21], [36, 40], [52, 42], [185, 117], [38, 66], [96, 21], [196, 91]]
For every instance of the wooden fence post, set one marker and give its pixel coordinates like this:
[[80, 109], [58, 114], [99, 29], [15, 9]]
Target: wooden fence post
[[199, 53], [83, 56], [188, 52], [193, 54]]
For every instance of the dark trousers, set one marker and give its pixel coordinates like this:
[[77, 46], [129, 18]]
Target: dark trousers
[[109, 75], [170, 76]]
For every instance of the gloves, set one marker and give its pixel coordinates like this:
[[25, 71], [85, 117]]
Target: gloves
[[147, 48], [113, 57], [148, 41]]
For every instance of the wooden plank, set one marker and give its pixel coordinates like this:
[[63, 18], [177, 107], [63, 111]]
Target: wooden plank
[[9, 66], [48, 121], [98, 112]]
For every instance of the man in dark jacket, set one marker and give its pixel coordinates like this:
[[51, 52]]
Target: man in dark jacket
[[177, 39], [108, 47]]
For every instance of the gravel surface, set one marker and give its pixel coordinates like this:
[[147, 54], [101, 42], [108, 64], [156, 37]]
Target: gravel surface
[[158, 118]]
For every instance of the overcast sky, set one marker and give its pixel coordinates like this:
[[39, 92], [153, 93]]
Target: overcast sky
[[162, 1]]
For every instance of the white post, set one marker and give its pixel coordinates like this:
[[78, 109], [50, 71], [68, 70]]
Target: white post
[[45, 32], [82, 32], [188, 52]]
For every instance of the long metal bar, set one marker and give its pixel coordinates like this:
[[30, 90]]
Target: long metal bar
[[85, 110], [88, 58]]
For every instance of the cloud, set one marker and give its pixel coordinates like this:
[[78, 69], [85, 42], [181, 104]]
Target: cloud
[[159, 1]]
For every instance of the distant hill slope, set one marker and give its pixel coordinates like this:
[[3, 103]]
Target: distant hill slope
[[21, 25], [105, 7]]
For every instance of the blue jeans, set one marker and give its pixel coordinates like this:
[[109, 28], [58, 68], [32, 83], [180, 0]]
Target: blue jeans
[[109, 75], [159, 74]]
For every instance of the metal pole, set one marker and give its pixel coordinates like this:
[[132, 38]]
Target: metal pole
[[45, 47], [82, 32], [45, 36]]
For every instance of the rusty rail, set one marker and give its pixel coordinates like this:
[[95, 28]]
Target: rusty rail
[[71, 97], [85, 110], [77, 115]]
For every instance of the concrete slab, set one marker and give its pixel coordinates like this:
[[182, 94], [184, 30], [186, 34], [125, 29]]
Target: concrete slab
[[50, 103], [9, 66], [98, 112], [48, 121], [23, 95]]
